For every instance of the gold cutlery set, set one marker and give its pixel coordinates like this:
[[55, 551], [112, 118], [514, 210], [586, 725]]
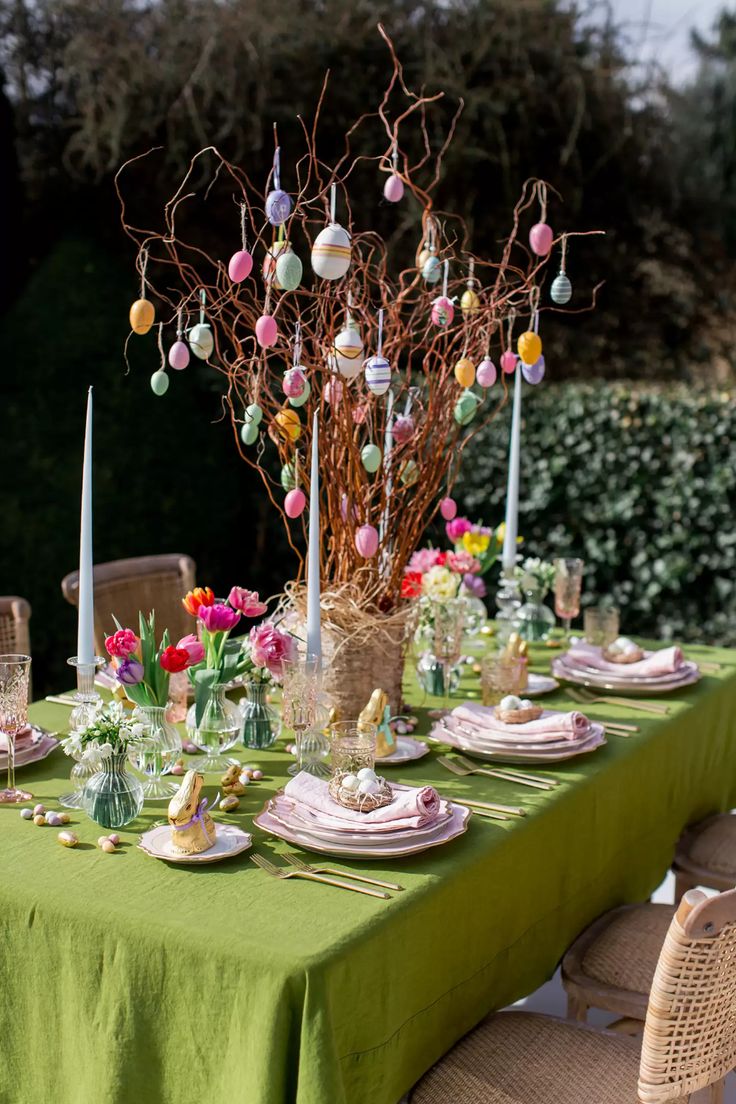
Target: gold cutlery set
[[328, 875]]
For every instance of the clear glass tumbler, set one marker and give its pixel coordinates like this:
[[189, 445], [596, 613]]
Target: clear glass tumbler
[[502, 675], [601, 625], [353, 746]]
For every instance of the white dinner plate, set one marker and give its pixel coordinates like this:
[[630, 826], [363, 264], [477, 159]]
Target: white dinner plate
[[505, 754], [488, 743], [407, 750], [601, 680], [298, 818], [538, 684], [43, 743], [230, 840]]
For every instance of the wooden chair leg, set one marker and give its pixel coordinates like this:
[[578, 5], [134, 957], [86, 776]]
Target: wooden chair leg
[[682, 884], [717, 1092], [577, 1009]]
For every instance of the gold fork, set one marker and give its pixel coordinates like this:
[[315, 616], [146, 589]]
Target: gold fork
[[279, 872], [587, 698], [301, 865], [462, 767]]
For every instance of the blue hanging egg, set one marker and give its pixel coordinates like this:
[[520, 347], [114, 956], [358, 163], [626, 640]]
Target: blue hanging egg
[[432, 269], [561, 289], [278, 206], [534, 373]]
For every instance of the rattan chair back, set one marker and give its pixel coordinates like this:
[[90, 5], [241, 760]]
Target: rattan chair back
[[15, 613]]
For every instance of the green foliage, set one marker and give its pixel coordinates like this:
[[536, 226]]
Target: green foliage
[[639, 482]]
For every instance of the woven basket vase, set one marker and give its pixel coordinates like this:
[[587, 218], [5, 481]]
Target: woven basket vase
[[353, 666]]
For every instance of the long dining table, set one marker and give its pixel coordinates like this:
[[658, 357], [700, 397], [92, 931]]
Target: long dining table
[[127, 980]]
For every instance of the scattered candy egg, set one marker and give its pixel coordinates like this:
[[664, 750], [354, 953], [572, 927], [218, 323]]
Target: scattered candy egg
[[393, 189], [465, 372], [377, 375], [510, 702], [26, 814], [288, 423], [201, 340], [68, 839], [178, 769], [54, 820], [230, 803], [278, 206], [331, 252], [39, 819], [350, 782], [486, 373], [288, 477], [508, 361], [142, 315], [249, 433], [107, 846], [101, 840], [529, 347], [114, 838], [366, 772], [540, 238], [403, 429], [266, 331], [246, 778], [368, 786], [254, 413], [448, 508], [179, 355], [465, 408], [39, 810], [402, 728], [443, 311], [237, 787], [333, 391], [432, 269], [288, 270], [64, 818], [370, 456], [159, 382], [561, 290], [409, 473], [240, 266], [257, 775], [348, 352], [295, 502], [534, 373], [366, 541], [294, 383], [469, 302]]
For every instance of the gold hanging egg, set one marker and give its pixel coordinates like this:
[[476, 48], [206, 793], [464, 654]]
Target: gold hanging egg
[[465, 372], [529, 347], [142, 314], [469, 302], [288, 423]]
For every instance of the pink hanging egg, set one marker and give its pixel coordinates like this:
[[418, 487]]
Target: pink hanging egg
[[179, 355], [393, 189], [359, 413], [294, 383], [366, 541], [442, 311], [295, 502], [486, 373], [403, 429], [508, 361], [344, 508], [540, 238], [333, 392], [448, 508], [240, 265], [266, 331]]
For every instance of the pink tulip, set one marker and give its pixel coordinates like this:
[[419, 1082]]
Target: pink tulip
[[193, 647], [247, 601]]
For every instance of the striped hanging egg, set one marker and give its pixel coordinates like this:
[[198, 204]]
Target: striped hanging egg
[[141, 316], [299, 400], [159, 382], [278, 206], [465, 408], [465, 372], [378, 375], [287, 421], [534, 373], [288, 271], [240, 266], [331, 252], [443, 311], [529, 347], [469, 302], [179, 355], [561, 290], [348, 353], [432, 269], [540, 239], [201, 340], [486, 373]]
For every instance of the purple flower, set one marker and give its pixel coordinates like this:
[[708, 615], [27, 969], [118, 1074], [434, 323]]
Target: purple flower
[[475, 586], [130, 672], [457, 528], [218, 618]]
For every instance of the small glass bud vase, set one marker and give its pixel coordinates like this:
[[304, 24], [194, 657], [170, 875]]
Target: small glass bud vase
[[157, 753], [218, 731], [260, 722], [88, 702], [534, 621], [113, 797]]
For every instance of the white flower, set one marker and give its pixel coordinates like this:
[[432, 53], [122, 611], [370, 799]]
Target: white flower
[[105, 750]]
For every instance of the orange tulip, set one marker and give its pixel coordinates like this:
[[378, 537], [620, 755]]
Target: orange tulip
[[200, 596]]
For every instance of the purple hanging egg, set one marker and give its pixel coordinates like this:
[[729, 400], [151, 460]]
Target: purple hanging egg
[[278, 206], [540, 238], [448, 508], [486, 374], [294, 383], [266, 331], [443, 311], [508, 361], [403, 429], [393, 189], [366, 541], [295, 502], [179, 355], [240, 265], [534, 373]]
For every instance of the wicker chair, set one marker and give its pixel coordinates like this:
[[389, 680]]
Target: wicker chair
[[15, 613], [689, 1040], [706, 855], [123, 587]]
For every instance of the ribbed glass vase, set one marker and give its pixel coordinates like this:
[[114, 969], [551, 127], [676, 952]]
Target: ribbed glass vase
[[113, 797], [260, 721]]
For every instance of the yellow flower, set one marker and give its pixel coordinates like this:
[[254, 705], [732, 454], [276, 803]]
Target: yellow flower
[[440, 582], [476, 543], [501, 533]]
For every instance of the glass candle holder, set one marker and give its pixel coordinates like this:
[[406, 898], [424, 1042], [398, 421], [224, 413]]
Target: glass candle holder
[[88, 702], [353, 746], [601, 625], [502, 675]]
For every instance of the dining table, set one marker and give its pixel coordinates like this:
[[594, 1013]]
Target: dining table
[[129, 980]]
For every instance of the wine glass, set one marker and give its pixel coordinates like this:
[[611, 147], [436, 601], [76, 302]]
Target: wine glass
[[568, 581], [15, 673], [300, 684]]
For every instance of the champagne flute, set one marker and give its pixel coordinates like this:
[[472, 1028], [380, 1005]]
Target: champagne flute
[[568, 582], [15, 673], [300, 684]]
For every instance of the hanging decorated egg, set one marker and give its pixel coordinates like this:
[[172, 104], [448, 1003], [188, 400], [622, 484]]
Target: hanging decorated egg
[[268, 268], [540, 239], [331, 252], [366, 541], [432, 269], [141, 316], [508, 361], [529, 347], [393, 189], [288, 423], [295, 502], [278, 206], [424, 256], [465, 408], [409, 473], [561, 290], [299, 400], [344, 508], [377, 375], [288, 271], [333, 391], [443, 311], [266, 331], [465, 372], [179, 355], [294, 383], [534, 373], [403, 429], [240, 266], [253, 413], [360, 413], [370, 456], [486, 373], [448, 508], [159, 382], [288, 476], [470, 302], [249, 433], [201, 340], [348, 352]]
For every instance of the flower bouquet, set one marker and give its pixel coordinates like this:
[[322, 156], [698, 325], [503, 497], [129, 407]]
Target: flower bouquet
[[112, 796]]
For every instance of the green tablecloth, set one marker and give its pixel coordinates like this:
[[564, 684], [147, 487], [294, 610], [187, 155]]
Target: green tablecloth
[[129, 980]]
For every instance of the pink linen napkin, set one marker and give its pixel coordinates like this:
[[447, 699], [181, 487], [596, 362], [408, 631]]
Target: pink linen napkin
[[655, 664], [22, 738], [410, 808], [550, 726]]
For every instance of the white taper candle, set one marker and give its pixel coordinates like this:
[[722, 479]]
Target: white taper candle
[[512, 492], [314, 633], [86, 604]]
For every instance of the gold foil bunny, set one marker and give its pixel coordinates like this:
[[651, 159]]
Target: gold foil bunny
[[192, 827]]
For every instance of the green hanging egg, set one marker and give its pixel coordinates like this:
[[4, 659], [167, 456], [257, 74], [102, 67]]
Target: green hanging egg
[[466, 407], [299, 400], [288, 270], [249, 433], [253, 413], [409, 474], [371, 457], [159, 382], [288, 477]]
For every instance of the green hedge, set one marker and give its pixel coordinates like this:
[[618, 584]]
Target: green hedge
[[641, 483]]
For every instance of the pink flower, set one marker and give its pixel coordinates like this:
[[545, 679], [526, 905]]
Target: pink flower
[[247, 601], [193, 647], [463, 563], [424, 559], [457, 528], [269, 647], [218, 618], [122, 643]]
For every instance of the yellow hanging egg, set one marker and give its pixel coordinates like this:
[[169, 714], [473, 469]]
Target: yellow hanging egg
[[288, 423], [470, 302], [142, 315], [529, 347], [465, 372]]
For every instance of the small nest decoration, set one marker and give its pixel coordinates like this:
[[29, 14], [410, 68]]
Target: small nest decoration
[[623, 657], [360, 802], [519, 716]]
